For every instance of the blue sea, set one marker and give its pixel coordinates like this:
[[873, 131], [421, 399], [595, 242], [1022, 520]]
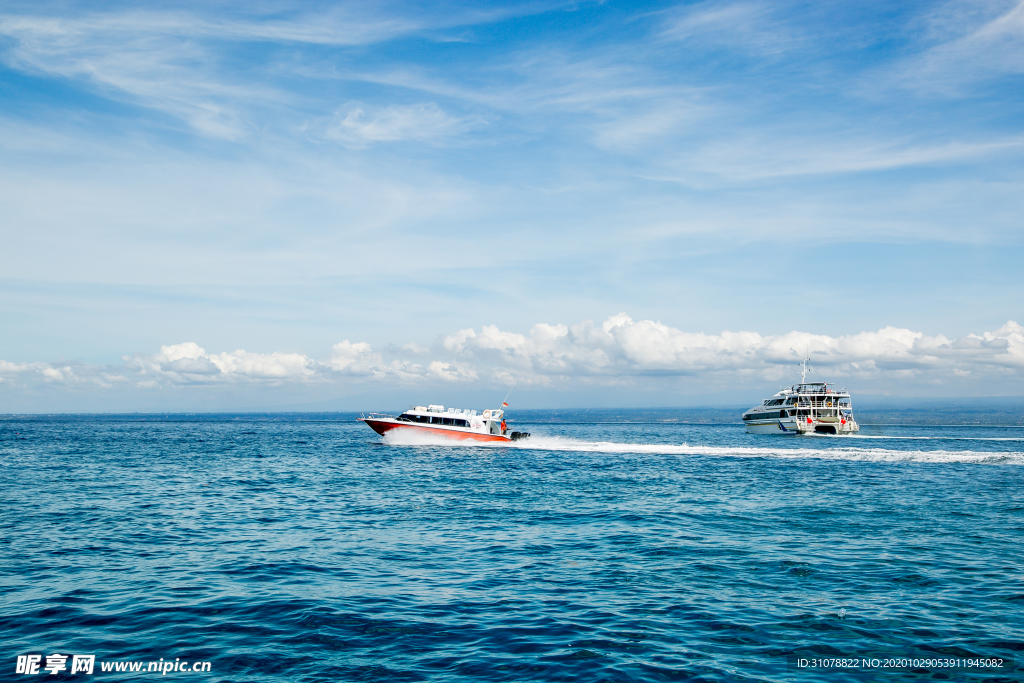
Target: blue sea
[[307, 548]]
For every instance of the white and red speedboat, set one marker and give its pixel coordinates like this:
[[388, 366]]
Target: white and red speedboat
[[453, 423]]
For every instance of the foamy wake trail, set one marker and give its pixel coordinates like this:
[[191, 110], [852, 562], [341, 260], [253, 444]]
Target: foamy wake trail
[[563, 444], [923, 438]]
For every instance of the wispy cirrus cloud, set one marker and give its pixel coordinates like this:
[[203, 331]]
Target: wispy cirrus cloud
[[750, 27], [360, 125], [177, 63], [748, 159], [147, 60], [964, 45]]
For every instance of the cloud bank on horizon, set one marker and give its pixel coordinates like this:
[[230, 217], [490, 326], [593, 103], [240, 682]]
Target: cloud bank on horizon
[[618, 351], [285, 175]]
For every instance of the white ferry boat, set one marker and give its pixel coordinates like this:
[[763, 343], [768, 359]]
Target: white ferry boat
[[808, 407], [453, 423]]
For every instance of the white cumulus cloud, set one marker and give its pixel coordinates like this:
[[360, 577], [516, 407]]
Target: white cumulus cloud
[[622, 346], [189, 363], [618, 351], [355, 359]]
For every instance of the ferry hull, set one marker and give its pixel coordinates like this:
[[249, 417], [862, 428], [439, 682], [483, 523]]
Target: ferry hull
[[781, 427], [792, 427], [384, 426]]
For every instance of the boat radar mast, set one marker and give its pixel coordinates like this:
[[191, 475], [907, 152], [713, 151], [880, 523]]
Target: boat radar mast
[[803, 372]]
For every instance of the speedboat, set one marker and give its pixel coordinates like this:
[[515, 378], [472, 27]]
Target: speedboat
[[804, 408], [452, 423]]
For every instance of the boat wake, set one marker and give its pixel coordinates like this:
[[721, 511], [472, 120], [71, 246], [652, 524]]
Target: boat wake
[[838, 453], [928, 438], [564, 444]]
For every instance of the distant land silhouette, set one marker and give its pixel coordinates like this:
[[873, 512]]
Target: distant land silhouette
[[869, 410]]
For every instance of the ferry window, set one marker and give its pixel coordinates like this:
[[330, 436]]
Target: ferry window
[[435, 420], [461, 423], [446, 420]]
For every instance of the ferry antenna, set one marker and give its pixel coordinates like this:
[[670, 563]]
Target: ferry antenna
[[803, 372]]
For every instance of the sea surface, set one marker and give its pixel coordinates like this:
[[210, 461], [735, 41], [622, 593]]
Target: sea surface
[[307, 548]]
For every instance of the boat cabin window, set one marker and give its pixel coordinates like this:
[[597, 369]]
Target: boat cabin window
[[770, 415], [437, 420]]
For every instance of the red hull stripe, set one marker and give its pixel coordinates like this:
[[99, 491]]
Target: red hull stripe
[[381, 427]]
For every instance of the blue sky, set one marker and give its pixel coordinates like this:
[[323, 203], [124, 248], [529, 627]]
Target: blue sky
[[285, 179]]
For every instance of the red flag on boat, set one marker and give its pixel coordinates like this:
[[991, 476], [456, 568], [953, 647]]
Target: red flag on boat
[[504, 405]]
